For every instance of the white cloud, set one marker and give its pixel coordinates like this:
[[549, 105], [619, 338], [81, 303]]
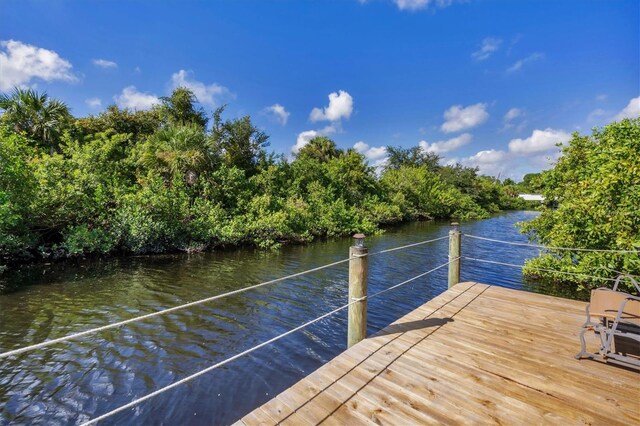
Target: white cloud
[[491, 156], [103, 63], [461, 118], [340, 106], [306, 136], [441, 147], [632, 110], [489, 46], [514, 40], [303, 139], [513, 113], [21, 63], [596, 114], [532, 154], [507, 164], [372, 153], [413, 5], [277, 112], [93, 102], [132, 98], [210, 94], [375, 155], [540, 140], [522, 62], [514, 118], [491, 162], [331, 128], [602, 97]]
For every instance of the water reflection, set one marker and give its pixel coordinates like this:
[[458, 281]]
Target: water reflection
[[75, 381]]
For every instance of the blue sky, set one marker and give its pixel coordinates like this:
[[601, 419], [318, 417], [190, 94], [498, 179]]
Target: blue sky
[[492, 84]]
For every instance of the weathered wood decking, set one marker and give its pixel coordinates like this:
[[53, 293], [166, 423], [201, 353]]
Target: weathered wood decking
[[476, 354]]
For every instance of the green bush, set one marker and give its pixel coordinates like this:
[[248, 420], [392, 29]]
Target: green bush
[[159, 180], [18, 188], [594, 203], [81, 239]]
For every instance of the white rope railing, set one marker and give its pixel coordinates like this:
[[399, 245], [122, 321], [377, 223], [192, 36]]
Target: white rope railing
[[513, 243], [306, 324], [411, 279], [513, 265], [248, 351], [214, 366], [446, 237], [163, 311], [195, 303]]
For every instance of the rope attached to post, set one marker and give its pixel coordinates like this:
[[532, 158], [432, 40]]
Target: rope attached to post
[[163, 312], [513, 243], [248, 351], [410, 280], [493, 262], [195, 303], [446, 237], [354, 300]]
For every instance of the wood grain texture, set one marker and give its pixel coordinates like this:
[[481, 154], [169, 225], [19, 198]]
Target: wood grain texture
[[358, 278], [454, 254], [476, 354]]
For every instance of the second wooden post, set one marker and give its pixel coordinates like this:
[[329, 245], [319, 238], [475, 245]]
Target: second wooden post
[[454, 255], [358, 277]]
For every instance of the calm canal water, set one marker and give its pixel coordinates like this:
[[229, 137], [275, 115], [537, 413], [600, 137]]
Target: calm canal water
[[75, 381]]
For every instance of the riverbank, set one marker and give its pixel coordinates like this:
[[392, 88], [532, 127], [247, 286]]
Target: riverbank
[[42, 269], [174, 179], [99, 373], [59, 255]]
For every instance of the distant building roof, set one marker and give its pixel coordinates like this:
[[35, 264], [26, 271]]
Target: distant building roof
[[531, 197]]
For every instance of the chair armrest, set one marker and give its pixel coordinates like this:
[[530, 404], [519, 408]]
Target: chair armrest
[[588, 315], [623, 304]]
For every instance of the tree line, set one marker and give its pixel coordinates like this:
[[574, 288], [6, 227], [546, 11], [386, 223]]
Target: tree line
[[592, 198], [176, 179]]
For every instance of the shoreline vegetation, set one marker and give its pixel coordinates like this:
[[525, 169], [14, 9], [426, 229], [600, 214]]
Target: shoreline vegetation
[[592, 202], [174, 179]]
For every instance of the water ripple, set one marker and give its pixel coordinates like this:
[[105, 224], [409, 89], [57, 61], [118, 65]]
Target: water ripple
[[75, 381]]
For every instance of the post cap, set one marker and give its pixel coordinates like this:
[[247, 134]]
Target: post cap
[[359, 240]]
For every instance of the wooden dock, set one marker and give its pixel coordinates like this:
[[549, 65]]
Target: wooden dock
[[476, 354]]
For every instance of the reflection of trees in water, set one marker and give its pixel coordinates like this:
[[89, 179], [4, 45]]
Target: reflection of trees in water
[[81, 297], [57, 273], [98, 373]]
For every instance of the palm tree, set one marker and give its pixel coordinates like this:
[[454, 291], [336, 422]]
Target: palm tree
[[320, 148], [180, 108], [184, 151], [40, 117]]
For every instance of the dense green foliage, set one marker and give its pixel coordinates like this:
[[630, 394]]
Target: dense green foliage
[[41, 118], [173, 178], [593, 196]]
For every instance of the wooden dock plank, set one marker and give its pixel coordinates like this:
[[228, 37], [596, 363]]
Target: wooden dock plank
[[476, 354]]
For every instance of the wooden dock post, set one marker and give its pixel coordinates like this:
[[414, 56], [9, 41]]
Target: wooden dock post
[[358, 274], [454, 254]]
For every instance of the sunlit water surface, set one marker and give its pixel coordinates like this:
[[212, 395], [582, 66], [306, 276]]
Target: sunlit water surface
[[75, 381]]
